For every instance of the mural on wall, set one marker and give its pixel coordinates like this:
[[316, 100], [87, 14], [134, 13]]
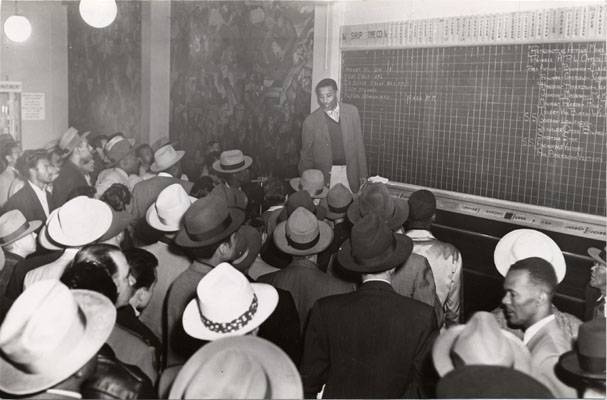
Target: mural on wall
[[104, 67], [241, 74]]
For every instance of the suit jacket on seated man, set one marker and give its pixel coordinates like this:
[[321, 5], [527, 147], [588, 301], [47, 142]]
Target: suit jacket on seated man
[[373, 342]]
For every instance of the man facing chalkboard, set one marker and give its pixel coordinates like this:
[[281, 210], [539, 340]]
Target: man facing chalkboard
[[331, 140]]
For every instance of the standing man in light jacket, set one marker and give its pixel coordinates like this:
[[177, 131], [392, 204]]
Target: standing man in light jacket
[[331, 140]]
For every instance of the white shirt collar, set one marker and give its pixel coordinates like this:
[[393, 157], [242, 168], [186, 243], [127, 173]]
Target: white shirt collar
[[423, 234], [535, 328], [41, 195], [165, 174], [377, 280], [334, 113]]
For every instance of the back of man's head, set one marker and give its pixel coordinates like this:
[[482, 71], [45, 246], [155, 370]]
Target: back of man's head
[[541, 273]]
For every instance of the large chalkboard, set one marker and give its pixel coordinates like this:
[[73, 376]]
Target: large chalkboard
[[517, 122]]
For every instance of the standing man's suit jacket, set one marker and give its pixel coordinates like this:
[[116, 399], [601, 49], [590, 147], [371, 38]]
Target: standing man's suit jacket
[[316, 145], [26, 201], [372, 343], [546, 346]]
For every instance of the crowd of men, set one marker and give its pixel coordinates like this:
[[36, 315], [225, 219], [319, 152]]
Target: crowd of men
[[122, 278]]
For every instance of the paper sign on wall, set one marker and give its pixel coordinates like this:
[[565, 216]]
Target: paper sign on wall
[[33, 106]]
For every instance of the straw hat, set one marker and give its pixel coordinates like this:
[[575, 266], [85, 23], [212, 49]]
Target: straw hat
[[480, 342], [243, 367], [165, 157], [373, 247], [524, 243], [167, 211], [118, 148], [71, 139], [71, 225], [14, 226], [312, 181], [227, 304], [49, 333], [302, 234], [231, 161]]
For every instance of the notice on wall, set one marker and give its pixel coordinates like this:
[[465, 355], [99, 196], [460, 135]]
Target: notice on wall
[[33, 106]]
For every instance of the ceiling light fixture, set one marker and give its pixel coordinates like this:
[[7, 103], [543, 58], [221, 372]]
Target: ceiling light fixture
[[98, 13]]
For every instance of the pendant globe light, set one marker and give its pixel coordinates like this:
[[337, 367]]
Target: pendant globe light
[[17, 28], [98, 13]]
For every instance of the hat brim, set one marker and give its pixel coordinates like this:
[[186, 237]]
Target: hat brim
[[596, 255], [401, 252], [504, 258], [159, 168], [237, 216], [253, 247], [102, 224], [100, 315], [443, 344], [267, 299], [324, 239], [247, 163], [33, 225], [570, 363], [295, 184], [336, 215], [46, 242], [396, 221], [120, 221], [283, 377]]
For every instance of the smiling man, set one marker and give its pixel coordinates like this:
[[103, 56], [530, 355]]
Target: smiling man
[[331, 140], [529, 287]]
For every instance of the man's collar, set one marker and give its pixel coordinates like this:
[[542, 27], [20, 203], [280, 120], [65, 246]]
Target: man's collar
[[535, 328], [422, 234], [377, 280], [166, 174]]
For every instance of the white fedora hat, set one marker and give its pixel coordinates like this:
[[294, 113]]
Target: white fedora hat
[[165, 157], [167, 211], [49, 333], [44, 239], [524, 243], [14, 226], [79, 221], [231, 161], [241, 367], [480, 342], [227, 304]]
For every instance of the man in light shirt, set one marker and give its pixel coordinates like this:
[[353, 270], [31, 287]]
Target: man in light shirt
[[33, 199], [530, 285]]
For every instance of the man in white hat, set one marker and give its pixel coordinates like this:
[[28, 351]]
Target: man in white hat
[[65, 230], [76, 169], [17, 240], [167, 165], [50, 338], [208, 236], [165, 215], [125, 166], [303, 237], [530, 285]]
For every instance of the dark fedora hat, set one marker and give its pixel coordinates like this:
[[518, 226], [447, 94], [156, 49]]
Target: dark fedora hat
[[375, 198], [207, 221], [490, 382], [301, 198], [587, 360], [373, 247], [339, 199]]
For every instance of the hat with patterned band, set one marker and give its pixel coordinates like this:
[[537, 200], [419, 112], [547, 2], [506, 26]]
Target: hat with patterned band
[[227, 304], [231, 161]]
